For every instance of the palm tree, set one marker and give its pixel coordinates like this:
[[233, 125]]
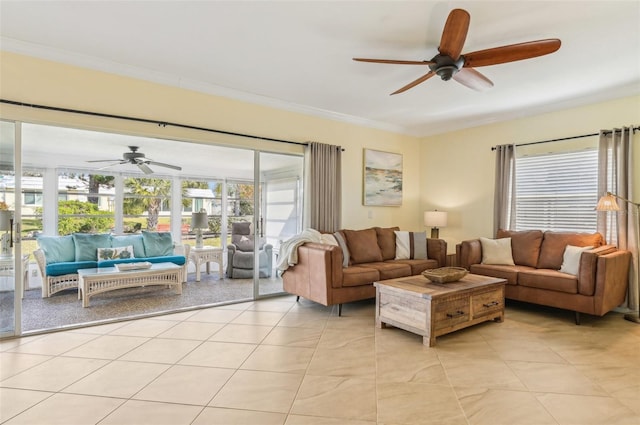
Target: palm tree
[[146, 194]]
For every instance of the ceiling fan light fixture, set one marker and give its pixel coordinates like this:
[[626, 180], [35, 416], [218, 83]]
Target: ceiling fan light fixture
[[446, 72]]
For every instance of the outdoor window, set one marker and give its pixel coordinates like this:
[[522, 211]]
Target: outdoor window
[[557, 191], [146, 204], [84, 203], [204, 195]]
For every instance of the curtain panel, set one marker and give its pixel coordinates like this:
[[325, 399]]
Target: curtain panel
[[504, 201], [324, 187], [615, 175]]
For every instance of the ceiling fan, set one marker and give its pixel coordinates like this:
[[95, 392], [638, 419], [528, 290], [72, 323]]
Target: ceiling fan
[[136, 158], [450, 63]]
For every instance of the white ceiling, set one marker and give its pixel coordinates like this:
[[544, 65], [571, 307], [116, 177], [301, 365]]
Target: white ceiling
[[297, 55]]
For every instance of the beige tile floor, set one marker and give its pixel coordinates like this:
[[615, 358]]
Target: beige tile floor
[[276, 361]]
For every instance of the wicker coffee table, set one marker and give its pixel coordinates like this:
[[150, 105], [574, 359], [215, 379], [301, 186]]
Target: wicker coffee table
[[96, 281], [432, 309]]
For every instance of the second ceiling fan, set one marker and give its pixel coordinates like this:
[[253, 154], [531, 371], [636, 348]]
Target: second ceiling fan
[[450, 63]]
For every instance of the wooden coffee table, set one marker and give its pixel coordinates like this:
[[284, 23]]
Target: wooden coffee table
[[432, 309]]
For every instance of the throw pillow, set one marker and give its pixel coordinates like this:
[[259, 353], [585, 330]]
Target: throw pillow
[[571, 259], [497, 251], [115, 253], [57, 249], [411, 245], [87, 245], [342, 243], [157, 244], [363, 246]]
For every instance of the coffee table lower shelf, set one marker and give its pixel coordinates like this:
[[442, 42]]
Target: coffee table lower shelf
[[95, 281], [431, 309]]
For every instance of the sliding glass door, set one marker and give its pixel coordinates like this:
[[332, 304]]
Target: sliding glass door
[[280, 215], [13, 265]]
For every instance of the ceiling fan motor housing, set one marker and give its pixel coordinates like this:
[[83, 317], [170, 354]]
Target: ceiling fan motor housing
[[445, 67]]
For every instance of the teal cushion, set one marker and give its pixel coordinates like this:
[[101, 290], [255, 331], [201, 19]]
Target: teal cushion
[[59, 269], [157, 244], [57, 249], [175, 259], [133, 240], [87, 245]]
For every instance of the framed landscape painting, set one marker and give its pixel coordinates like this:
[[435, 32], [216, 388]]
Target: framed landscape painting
[[382, 178]]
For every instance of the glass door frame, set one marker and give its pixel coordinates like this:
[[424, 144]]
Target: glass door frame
[[18, 273]]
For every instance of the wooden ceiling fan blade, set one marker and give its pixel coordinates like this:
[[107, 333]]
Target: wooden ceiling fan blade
[[415, 82], [454, 33], [110, 165], [104, 160], [473, 79], [511, 53], [393, 61]]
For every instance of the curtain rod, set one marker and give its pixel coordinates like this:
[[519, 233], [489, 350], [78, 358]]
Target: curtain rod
[[565, 138], [149, 121]]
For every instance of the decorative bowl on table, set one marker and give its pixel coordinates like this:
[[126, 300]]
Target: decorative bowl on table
[[445, 274]]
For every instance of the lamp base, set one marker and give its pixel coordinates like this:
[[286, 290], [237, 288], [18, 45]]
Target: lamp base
[[435, 233], [632, 318], [199, 239]]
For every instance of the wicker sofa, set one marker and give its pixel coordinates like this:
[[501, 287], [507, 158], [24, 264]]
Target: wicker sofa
[[332, 274], [540, 273], [60, 257]]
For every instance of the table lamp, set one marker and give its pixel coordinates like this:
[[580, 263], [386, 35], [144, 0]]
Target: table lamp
[[6, 239], [199, 221], [608, 203], [435, 220]]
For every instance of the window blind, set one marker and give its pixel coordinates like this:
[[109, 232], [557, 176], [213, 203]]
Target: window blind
[[557, 191]]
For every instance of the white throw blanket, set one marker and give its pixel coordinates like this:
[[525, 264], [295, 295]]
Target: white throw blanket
[[288, 255]]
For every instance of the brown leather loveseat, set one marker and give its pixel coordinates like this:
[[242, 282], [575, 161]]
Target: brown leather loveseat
[[598, 285], [330, 274]]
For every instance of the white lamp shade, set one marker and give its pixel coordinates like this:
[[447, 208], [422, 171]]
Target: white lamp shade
[[607, 203], [5, 220], [199, 220], [435, 218]]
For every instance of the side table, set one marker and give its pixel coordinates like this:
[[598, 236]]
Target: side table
[[206, 255], [6, 269]]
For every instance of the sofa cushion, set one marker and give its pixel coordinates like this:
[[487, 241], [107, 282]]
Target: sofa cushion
[[72, 267], [134, 240], [554, 243], [57, 249], [525, 245], [115, 253], [387, 241], [358, 276], [510, 273], [363, 246], [497, 251], [157, 244], [418, 266], [87, 245], [552, 280], [390, 270], [411, 245], [571, 259], [175, 259]]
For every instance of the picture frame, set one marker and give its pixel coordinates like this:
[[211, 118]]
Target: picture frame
[[382, 178]]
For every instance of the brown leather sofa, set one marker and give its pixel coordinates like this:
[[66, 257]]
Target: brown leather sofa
[[321, 276], [599, 286]]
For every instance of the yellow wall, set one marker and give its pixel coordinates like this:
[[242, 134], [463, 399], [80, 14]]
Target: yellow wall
[[31, 80], [459, 166], [452, 172]]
